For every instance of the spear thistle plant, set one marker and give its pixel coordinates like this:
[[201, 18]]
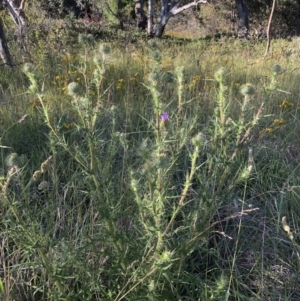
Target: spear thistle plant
[[151, 211], [214, 153]]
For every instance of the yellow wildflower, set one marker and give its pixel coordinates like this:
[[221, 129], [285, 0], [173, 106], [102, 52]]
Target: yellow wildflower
[[278, 123], [120, 84], [285, 105], [266, 131]]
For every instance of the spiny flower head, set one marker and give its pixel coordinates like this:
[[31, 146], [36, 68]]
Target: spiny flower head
[[276, 69], [156, 56], [28, 68], [197, 140], [85, 39], [105, 49], [152, 44], [164, 116], [247, 90], [73, 89], [98, 60], [153, 78], [219, 75]]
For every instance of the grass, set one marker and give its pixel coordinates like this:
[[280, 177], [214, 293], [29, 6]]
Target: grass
[[151, 171]]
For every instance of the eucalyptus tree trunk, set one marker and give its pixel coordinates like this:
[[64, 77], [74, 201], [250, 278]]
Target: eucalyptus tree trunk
[[243, 18], [164, 17], [141, 19], [150, 17], [4, 51]]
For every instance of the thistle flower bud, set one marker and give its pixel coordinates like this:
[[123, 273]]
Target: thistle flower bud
[[134, 185], [105, 49], [73, 89], [11, 171], [32, 88], [169, 77], [28, 68], [276, 69], [166, 256], [156, 56], [197, 140], [247, 90], [84, 103], [98, 60], [151, 286], [152, 44], [219, 75], [164, 117], [153, 77], [113, 108], [90, 39], [12, 160], [179, 71], [82, 38]]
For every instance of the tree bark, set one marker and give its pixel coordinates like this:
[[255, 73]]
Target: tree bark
[[243, 18], [4, 51], [150, 17]]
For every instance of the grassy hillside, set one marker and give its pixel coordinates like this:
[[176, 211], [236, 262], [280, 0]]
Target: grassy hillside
[[160, 170]]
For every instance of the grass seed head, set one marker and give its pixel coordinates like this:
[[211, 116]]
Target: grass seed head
[[44, 185], [37, 175], [45, 165]]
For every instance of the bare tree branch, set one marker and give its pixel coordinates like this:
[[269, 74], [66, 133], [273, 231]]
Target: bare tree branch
[[21, 5], [168, 10], [16, 12], [176, 9]]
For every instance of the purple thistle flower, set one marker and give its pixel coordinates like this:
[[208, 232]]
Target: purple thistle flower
[[164, 116]]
